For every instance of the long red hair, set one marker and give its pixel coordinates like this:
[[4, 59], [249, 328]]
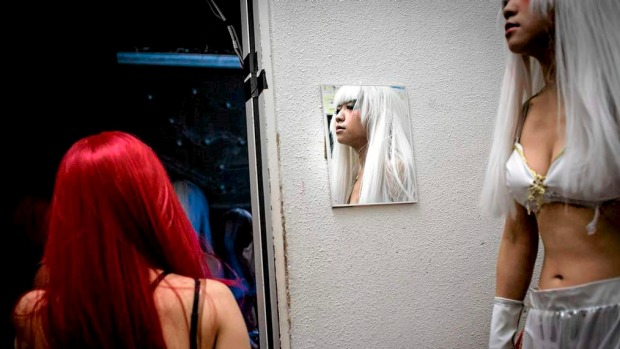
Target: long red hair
[[113, 217]]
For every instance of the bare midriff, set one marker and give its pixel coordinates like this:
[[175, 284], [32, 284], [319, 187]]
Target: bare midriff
[[573, 257]]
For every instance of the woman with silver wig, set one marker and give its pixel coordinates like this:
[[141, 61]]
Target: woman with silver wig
[[372, 156], [554, 173]]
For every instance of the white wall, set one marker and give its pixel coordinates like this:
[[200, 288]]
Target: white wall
[[397, 276]]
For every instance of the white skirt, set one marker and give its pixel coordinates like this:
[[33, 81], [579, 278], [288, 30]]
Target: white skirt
[[581, 317]]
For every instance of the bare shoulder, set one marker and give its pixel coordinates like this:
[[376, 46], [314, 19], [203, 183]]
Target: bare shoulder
[[176, 281], [231, 329], [29, 302], [219, 292], [177, 288], [221, 322], [28, 333]]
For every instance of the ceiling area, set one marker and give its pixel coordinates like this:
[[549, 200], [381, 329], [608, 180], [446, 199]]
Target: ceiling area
[[175, 26]]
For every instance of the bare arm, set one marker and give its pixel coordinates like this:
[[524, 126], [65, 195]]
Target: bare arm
[[517, 255], [232, 332]]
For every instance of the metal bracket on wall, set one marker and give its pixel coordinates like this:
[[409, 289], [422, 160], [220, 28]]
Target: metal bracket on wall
[[255, 85]]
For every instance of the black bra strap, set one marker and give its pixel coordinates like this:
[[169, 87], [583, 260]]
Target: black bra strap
[[158, 279], [193, 338]]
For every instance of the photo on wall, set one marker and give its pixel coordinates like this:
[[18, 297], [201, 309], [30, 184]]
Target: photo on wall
[[368, 145]]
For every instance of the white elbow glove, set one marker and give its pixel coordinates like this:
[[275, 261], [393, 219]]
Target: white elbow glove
[[504, 322]]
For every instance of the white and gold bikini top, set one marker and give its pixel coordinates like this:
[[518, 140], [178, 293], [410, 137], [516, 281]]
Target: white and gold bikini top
[[533, 190]]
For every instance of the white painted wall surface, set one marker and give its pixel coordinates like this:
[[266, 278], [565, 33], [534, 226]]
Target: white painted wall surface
[[397, 276]]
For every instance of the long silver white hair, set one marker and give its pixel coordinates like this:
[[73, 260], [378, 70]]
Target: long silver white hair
[[587, 71], [389, 172]]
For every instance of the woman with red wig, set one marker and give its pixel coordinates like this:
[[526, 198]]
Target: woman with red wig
[[123, 265]]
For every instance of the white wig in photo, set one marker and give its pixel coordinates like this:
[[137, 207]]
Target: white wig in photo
[[389, 172], [587, 71]]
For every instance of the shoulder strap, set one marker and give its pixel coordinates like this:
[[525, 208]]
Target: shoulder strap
[[158, 279], [193, 338], [524, 111]]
